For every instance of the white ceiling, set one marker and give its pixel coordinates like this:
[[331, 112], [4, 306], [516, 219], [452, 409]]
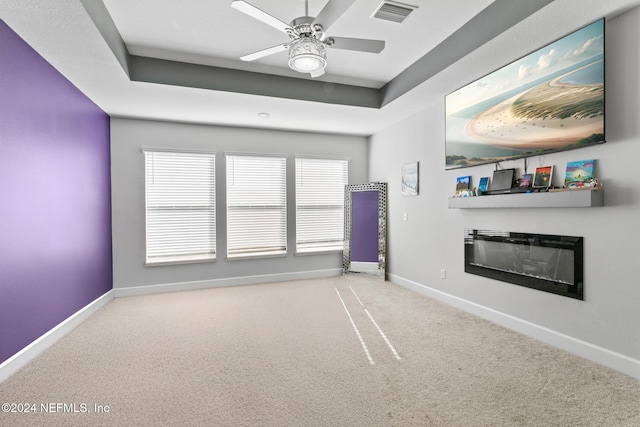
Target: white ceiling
[[210, 32]]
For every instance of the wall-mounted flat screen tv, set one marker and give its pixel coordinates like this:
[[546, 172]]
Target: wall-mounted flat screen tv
[[550, 100]]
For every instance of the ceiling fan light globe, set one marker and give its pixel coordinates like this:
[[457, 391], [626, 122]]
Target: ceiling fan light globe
[[307, 63], [307, 55]]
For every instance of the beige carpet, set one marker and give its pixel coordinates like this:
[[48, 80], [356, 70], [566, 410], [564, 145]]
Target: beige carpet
[[344, 351]]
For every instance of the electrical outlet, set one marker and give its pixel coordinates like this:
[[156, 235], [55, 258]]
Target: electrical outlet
[[405, 216], [443, 273]]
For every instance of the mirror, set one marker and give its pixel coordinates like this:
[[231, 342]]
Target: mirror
[[365, 225]]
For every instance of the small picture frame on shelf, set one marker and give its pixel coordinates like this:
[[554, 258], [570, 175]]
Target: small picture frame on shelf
[[579, 174], [463, 185], [525, 181], [543, 176], [484, 184]]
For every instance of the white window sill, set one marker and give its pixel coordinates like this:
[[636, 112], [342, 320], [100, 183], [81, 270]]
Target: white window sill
[[177, 261], [257, 255], [317, 251]]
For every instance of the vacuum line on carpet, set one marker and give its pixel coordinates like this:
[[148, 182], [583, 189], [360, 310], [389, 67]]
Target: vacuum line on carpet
[[384, 337], [382, 334], [355, 328], [356, 295]]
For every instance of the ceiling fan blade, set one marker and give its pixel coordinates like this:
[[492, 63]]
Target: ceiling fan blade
[[317, 73], [260, 15], [331, 12], [361, 45], [265, 52]]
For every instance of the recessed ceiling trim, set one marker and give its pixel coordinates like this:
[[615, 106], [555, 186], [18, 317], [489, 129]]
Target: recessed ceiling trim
[[161, 71], [99, 14], [495, 19], [492, 21]]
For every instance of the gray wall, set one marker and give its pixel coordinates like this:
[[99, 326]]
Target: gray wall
[[608, 320], [129, 136]]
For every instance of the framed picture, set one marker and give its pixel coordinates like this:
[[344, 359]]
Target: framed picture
[[484, 184], [463, 183], [543, 176], [579, 174], [410, 179], [526, 180], [560, 104]]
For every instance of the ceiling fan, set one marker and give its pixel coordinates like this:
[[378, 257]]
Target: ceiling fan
[[307, 47]]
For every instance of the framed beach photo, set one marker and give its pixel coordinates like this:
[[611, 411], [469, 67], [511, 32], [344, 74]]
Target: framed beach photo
[[410, 179], [579, 174], [543, 176], [547, 101]]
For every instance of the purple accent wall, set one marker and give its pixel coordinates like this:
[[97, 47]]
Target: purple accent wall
[[55, 203], [364, 226]]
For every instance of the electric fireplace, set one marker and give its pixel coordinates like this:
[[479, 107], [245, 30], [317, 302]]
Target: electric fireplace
[[545, 262]]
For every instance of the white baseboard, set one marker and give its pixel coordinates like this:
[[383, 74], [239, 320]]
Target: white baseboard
[[27, 354], [218, 283], [600, 355]]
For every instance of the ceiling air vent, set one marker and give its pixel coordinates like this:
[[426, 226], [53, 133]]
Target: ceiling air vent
[[393, 11]]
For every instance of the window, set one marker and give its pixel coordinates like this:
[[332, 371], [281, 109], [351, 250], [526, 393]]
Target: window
[[320, 204], [256, 206], [180, 206]]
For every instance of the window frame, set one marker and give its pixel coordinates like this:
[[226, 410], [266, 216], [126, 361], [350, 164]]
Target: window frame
[[281, 206], [151, 260], [308, 247]]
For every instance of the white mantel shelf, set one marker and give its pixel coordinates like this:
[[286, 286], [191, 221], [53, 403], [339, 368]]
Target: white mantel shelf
[[560, 199]]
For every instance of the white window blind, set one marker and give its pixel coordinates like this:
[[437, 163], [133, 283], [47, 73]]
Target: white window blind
[[180, 206], [320, 204], [256, 205]]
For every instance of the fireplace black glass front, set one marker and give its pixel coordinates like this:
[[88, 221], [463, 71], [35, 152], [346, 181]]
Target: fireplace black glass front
[[548, 263]]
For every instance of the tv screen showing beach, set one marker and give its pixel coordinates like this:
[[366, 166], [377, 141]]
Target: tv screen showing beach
[[550, 100]]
